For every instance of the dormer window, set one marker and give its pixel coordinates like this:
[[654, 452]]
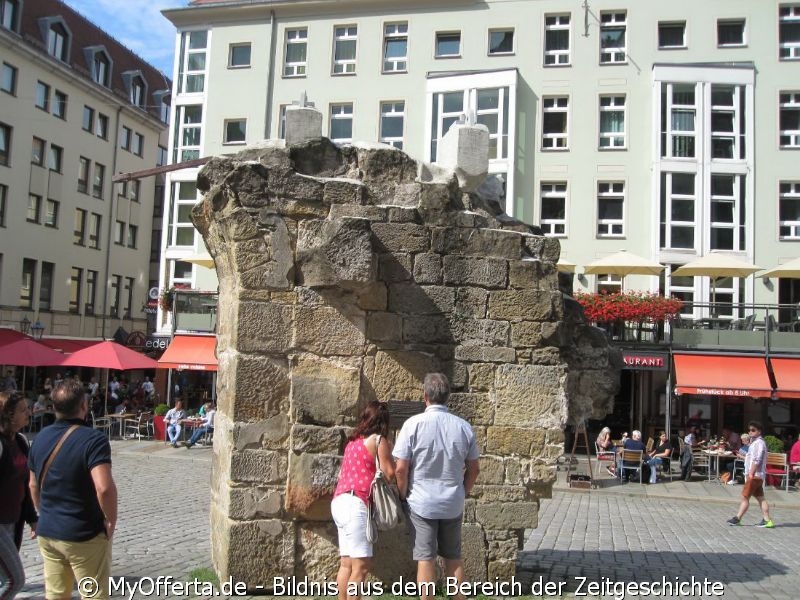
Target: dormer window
[[99, 63], [137, 88], [9, 14], [56, 36]]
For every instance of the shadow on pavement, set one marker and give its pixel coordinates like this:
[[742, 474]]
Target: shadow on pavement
[[571, 566]]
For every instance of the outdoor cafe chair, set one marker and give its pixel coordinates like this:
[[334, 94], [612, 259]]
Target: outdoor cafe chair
[[139, 427], [602, 456], [631, 461], [738, 467], [701, 462], [101, 423], [649, 447], [777, 466]]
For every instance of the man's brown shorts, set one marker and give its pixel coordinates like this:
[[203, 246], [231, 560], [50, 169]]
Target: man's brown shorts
[[753, 487]]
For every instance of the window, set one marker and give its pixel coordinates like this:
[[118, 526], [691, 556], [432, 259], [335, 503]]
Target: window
[[790, 119], [672, 35], [608, 284], [38, 147], [727, 122], [95, 222], [678, 113], [392, 117], [54, 158], [189, 128], [8, 79], [88, 119], [282, 122], [235, 131], [3, 198], [84, 164], [9, 14], [184, 197], [60, 104], [345, 41], [116, 284], [5, 144], [491, 108], [101, 68], [191, 74], [553, 217], [34, 214], [613, 28], [46, 286], [129, 285], [294, 62], [610, 209], [789, 210], [612, 122], [28, 282], [448, 44], [789, 32], [556, 40], [51, 213], [161, 156], [501, 41], [42, 98], [57, 45], [79, 237], [730, 33], [135, 186], [102, 126], [554, 123], [133, 231], [119, 233], [125, 138], [395, 48], [137, 147], [727, 212], [75, 285], [123, 189], [137, 91], [239, 56], [91, 290], [99, 180], [678, 212], [341, 123]]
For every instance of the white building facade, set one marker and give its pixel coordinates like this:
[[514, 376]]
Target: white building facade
[[667, 129]]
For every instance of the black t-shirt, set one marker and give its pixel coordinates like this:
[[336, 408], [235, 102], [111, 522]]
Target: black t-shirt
[[663, 448], [68, 506]]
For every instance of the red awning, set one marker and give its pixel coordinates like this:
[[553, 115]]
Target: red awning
[[713, 375], [192, 352], [787, 375], [68, 345]]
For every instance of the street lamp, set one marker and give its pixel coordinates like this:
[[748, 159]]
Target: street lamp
[[25, 325], [37, 330]]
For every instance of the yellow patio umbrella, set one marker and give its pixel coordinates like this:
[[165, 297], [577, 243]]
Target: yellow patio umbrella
[[788, 270], [565, 266], [623, 263], [203, 259], [716, 265]]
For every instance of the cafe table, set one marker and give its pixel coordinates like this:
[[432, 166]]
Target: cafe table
[[713, 462], [190, 423], [120, 418]]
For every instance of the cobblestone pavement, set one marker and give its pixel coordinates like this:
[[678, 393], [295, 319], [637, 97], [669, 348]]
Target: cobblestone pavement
[[616, 532]]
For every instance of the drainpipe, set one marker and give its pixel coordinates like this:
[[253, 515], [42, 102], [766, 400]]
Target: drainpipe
[[270, 76], [110, 229]]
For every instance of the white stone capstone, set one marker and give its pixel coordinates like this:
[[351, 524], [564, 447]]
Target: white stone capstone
[[465, 149], [302, 123]]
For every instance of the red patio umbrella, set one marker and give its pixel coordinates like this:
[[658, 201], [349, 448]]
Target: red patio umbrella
[[8, 335], [109, 355], [25, 352]]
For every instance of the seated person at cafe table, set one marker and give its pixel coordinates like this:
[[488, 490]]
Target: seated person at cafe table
[[207, 426], [172, 420], [604, 441], [632, 443], [692, 440], [794, 458], [658, 455], [741, 453]]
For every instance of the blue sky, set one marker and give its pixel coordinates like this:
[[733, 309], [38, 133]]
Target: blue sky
[[138, 24]]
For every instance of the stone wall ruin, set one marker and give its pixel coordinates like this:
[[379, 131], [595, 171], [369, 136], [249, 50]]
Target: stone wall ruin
[[346, 274]]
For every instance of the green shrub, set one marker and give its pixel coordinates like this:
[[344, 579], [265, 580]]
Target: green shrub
[[160, 410], [774, 444]]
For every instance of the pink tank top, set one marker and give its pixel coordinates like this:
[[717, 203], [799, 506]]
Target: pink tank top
[[357, 472]]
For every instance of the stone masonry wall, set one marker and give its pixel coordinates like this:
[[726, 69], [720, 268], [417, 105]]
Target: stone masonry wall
[[346, 274]]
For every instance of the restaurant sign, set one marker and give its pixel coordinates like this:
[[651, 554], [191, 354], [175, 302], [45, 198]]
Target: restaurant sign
[[645, 361]]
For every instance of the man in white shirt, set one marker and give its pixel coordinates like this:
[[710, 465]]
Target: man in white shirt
[[207, 426], [437, 465], [755, 471]]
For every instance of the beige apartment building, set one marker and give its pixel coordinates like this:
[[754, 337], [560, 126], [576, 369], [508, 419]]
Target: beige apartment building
[[76, 107], [669, 129]]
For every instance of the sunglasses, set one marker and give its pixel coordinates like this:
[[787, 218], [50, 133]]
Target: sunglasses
[[752, 430]]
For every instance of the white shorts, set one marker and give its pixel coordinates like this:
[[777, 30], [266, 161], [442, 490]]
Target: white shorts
[[350, 515]]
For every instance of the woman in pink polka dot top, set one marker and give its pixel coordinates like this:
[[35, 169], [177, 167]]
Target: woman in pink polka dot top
[[350, 500]]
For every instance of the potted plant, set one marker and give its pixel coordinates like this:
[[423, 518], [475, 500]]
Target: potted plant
[[158, 421], [165, 299], [774, 444]]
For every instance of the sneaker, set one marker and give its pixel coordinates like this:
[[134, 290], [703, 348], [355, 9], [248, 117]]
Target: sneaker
[[733, 521], [731, 482], [174, 445], [766, 524]]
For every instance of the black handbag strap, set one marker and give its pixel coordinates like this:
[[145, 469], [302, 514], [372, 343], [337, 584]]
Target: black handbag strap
[[53, 453]]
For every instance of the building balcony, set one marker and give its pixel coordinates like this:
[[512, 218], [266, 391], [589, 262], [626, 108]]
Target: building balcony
[[194, 311]]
